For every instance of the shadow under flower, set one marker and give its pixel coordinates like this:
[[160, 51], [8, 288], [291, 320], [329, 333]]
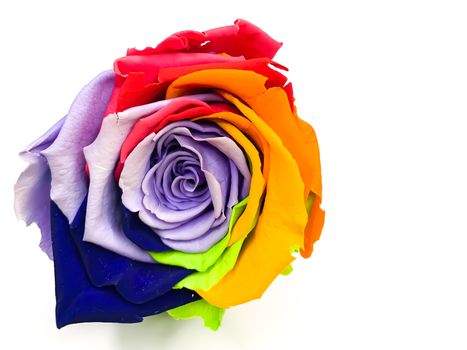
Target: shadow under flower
[[155, 332]]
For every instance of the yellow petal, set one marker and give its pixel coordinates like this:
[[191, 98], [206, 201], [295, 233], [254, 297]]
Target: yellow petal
[[267, 250], [292, 171], [243, 225]]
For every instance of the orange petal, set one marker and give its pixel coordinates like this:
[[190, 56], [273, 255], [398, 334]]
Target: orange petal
[[242, 83], [267, 251], [313, 227], [316, 215], [272, 105]]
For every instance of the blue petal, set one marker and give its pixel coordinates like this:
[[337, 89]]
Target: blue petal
[[140, 234], [136, 281], [96, 285]]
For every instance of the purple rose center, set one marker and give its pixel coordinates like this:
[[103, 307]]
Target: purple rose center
[[193, 176]]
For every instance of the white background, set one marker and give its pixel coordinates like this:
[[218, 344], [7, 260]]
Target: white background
[[384, 83]]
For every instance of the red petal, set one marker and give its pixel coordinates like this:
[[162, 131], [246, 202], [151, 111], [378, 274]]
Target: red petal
[[240, 39], [258, 65], [137, 80]]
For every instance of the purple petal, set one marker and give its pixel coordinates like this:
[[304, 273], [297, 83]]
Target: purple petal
[[215, 234], [233, 152], [32, 190], [213, 165], [211, 134], [65, 156], [191, 229], [157, 207], [200, 244], [168, 197], [103, 216], [133, 173]]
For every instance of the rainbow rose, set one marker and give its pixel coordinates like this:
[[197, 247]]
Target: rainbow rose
[[181, 181]]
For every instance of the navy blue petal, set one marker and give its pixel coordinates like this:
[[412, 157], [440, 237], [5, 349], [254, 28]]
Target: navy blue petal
[[136, 281], [140, 234], [79, 300]]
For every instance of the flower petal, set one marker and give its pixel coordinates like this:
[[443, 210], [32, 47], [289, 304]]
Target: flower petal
[[211, 315], [240, 39], [268, 250], [103, 215], [141, 187], [298, 136], [140, 234], [136, 81], [32, 190], [65, 156], [78, 300], [135, 281], [177, 110]]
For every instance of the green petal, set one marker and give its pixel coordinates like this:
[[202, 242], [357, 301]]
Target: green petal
[[192, 261], [288, 270], [211, 314], [309, 201], [206, 279], [201, 261], [295, 249]]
